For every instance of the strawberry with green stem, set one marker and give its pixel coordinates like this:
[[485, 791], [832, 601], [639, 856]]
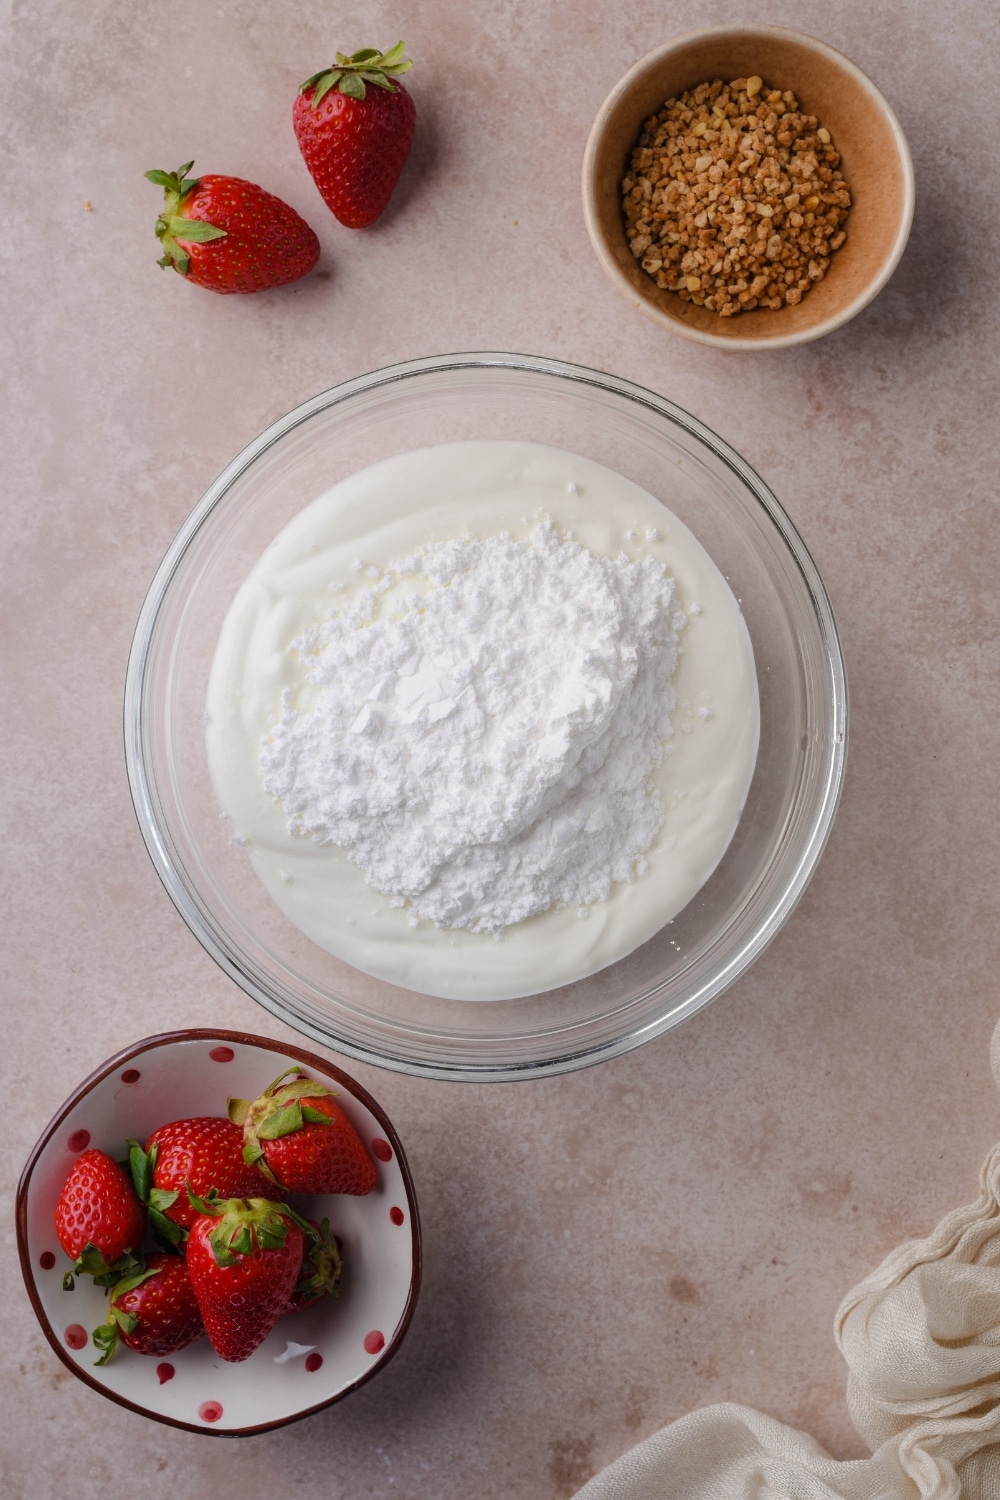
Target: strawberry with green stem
[[99, 1219], [299, 1137], [152, 1311], [229, 235], [354, 125], [244, 1257], [202, 1152]]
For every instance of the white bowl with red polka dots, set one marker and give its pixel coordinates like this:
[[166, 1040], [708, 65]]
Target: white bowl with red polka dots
[[311, 1358]]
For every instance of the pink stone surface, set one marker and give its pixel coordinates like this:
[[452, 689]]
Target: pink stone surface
[[608, 1250]]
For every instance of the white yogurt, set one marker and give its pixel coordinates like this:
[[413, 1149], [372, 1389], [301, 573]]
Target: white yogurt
[[394, 509]]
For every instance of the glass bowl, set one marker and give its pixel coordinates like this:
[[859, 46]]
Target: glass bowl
[[803, 705]]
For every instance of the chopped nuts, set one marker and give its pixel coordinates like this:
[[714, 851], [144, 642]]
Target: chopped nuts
[[730, 207]]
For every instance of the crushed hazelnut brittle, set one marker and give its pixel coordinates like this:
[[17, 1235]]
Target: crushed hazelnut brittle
[[734, 198]]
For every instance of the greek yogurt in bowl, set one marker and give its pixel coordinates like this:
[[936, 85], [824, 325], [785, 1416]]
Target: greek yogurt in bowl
[[689, 483], [484, 717]]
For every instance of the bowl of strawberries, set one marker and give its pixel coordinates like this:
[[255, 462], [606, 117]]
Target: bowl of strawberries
[[220, 1231]]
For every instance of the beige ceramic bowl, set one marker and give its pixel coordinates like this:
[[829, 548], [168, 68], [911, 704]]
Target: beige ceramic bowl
[[875, 162]]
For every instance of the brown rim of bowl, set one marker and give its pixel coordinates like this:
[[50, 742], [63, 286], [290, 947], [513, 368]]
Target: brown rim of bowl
[[245, 1038], [685, 330]]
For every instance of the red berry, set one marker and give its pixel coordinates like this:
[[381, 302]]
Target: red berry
[[298, 1134], [204, 1152], [354, 126], [98, 1206], [154, 1311], [229, 235], [244, 1258]]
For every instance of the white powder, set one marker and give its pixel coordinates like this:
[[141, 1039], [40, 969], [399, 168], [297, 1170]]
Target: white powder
[[482, 748]]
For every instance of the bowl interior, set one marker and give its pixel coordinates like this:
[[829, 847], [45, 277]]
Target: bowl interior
[[875, 164], [171, 1078], [790, 803]]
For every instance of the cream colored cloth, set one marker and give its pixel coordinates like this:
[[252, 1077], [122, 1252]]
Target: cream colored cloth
[[921, 1337]]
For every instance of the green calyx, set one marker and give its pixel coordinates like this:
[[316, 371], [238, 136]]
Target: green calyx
[[245, 1225], [140, 1166], [91, 1262], [350, 75], [321, 1264], [282, 1109], [105, 1338], [171, 226]]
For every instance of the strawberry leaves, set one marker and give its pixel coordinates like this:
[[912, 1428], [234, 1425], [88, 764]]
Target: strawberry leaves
[[92, 1262], [171, 226], [176, 183], [351, 74], [141, 1166], [322, 1265], [105, 1338], [245, 1224]]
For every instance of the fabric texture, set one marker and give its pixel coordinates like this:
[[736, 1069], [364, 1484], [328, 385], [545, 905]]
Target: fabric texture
[[921, 1337]]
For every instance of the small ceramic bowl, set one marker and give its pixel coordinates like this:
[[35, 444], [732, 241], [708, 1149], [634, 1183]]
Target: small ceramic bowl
[[311, 1358], [875, 161]]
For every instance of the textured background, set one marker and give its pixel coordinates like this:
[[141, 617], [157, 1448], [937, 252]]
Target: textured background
[[605, 1251]]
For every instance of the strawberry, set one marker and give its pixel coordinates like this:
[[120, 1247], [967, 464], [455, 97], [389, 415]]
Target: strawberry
[[319, 1273], [202, 1153], [300, 1138], [153, 1311], [244, 1257], [356, 138], [99, 1217], [229, 235]]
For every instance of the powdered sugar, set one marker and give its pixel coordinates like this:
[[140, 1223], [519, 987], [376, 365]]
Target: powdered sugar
[[482, 748]]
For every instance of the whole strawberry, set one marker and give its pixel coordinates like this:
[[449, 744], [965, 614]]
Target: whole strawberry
[[244, 1256], [319, 1273], [153, 1311], [301, 1139], [229, 235], [99, 1218], [202, 1153], [355, 127]]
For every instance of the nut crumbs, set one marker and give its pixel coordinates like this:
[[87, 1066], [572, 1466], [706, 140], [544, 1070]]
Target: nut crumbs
[[734, 197]]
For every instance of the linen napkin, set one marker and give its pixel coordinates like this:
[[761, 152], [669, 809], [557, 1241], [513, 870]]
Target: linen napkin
[[921, 1337]]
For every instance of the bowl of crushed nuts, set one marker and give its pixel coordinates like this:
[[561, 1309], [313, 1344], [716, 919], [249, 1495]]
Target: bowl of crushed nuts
[[748, 187]]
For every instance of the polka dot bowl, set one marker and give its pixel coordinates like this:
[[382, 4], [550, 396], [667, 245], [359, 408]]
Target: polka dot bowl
[[311, 1358]]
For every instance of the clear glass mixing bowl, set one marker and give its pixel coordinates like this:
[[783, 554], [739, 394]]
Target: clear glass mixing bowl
[[803, 704]]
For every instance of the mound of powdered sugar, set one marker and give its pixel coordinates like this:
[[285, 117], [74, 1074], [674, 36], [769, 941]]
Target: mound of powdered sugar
[[482, 748]]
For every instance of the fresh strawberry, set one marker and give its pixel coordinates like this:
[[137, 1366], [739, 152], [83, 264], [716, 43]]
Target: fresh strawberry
[[229, 235], [244, 1256], [319, 1273], [99, 1218], [355, 127], [301, 1139], [154, 1311], [202, 1153]]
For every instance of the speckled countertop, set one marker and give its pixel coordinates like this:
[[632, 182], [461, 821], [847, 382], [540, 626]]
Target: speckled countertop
[[687, 1217]]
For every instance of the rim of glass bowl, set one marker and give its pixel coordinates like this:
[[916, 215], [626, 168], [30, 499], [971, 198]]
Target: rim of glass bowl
[[184, 894]]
